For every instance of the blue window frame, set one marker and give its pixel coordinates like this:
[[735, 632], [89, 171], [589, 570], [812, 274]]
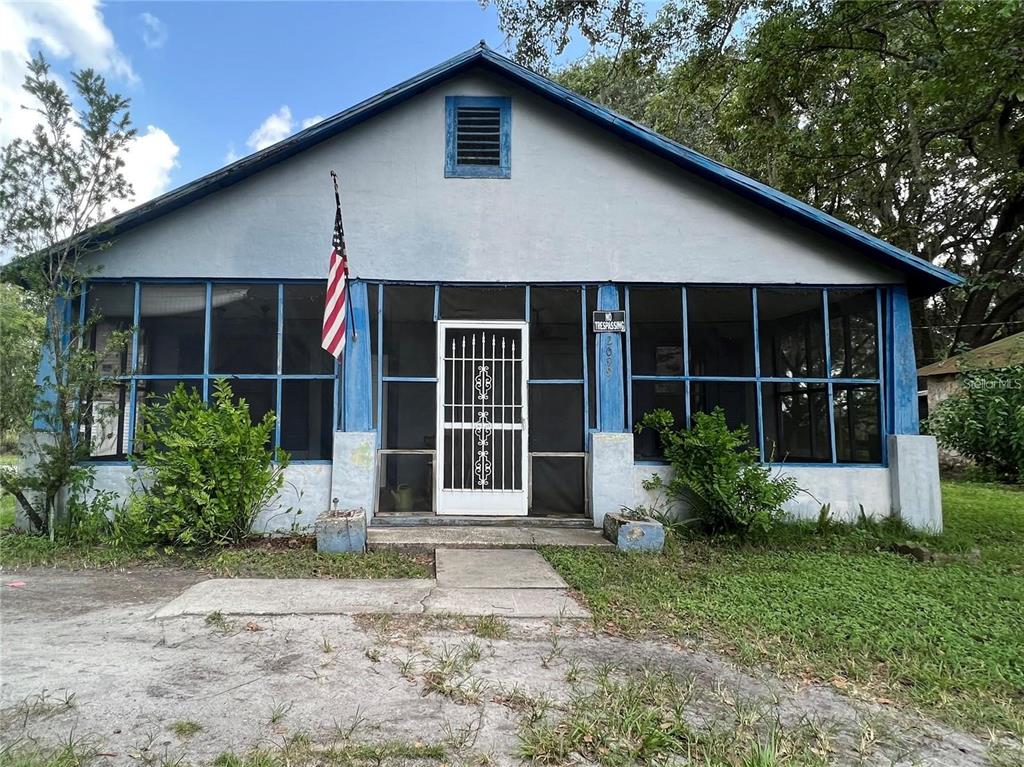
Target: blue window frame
[[802, 368], [175, 325], [478, 132]]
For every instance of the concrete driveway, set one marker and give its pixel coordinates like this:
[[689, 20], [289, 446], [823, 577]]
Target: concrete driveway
[[82, 659]]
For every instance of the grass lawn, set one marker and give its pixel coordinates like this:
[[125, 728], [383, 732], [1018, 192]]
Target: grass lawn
[[256, 561], [947, 637]]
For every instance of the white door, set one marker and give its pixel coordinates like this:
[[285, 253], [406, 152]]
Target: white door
[[482, 418]]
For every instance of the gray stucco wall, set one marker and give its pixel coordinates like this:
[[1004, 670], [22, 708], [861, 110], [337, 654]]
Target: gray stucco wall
[[582, 205], [846, 489]]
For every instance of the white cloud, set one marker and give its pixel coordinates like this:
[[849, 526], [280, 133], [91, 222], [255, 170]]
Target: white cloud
[[148, 164], [77, 33], [154, 31], [278, 126]]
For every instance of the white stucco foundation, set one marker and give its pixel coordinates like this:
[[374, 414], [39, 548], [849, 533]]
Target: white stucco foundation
[[610, 474], [916, 495], [354, 478], [304, 495], [845, 489]]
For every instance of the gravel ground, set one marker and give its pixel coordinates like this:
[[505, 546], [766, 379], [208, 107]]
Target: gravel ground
[[81, 659]]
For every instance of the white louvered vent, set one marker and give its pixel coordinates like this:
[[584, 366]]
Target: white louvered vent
[[478, 136]]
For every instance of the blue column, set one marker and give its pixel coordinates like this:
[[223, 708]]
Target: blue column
[[608, 369], [902, 379], [358, 401], [45, 375]]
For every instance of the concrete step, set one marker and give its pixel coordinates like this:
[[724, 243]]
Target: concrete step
[[416, 519], [429, 537]]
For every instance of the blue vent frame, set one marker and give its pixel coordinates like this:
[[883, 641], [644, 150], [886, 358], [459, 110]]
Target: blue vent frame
[[451, 167]]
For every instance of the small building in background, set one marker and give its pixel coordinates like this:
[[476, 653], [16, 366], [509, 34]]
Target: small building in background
[[942, 379]]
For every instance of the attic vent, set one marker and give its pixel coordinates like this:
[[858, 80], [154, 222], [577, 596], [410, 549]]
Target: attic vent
[[477, 131], [478, 136]]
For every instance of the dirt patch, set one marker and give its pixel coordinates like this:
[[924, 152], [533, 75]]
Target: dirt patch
[[79, 656]]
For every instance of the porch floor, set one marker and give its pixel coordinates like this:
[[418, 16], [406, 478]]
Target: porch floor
[[420, 538]]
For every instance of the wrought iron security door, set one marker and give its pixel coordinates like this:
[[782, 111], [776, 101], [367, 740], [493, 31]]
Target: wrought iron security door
[[482, 418]]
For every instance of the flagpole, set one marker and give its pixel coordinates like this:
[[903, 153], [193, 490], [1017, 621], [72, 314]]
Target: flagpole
[[348, 298]]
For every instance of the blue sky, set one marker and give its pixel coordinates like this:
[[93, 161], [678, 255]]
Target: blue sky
[[223, 68], [212, 81]]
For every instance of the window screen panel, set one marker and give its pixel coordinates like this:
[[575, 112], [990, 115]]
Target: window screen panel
[[107, 432], [306, 411], [737, 399], [303, 325], [721, 331], [465, 303], [259, 394], [556, 340], [558, 486], [656, 331], [796, 427], [172, 327], [410, 335], [853, 333], [858, 418], [114, 305], [244, 329], [556, 418], [792, 333], [656, 395], [410, 416], [406, 482]]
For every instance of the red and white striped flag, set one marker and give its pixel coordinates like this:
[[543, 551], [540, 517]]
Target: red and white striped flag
[[336, 307]]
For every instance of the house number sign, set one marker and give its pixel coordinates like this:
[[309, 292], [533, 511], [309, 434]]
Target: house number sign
[[610, 321]]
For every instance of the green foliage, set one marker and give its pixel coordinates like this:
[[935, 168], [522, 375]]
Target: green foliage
[[206, 467], [21, 333], [943, 636], [716, 473], [985, 421], [905, 119], [56, 187]]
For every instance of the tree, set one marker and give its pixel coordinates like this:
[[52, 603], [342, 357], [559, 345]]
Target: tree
[[21, 332], [56, 187], [904, 118]]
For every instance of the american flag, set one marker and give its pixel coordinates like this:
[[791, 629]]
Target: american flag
[[336, 307]]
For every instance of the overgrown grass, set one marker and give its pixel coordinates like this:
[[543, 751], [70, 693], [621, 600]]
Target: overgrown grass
[[6, 499], [839, 606], [21, 551]]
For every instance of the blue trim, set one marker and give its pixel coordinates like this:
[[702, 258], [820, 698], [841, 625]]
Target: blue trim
[[452, 169], [409, 379], [207, 329], [573, 381], [904, 365], [883, 394], [586, 366], [757, 373], [379, 421], [828, 372], [629, 357], [280, 365], [686, 354], [925, 278], [46, 376], [609, 368], [358, 376]]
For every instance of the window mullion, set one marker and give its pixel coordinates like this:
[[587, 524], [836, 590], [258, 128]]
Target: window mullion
[[757, 375], [828, 373], [686, 356], [207, 325], [133, 399], [279, 368], [629, 359]]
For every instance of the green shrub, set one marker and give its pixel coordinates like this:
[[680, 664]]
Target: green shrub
[[984, 421], [206, 471], [716, 473]]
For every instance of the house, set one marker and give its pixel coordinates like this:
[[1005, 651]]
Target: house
[[941, 379], [531, 273]]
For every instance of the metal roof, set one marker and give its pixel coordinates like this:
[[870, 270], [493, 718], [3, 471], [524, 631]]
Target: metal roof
[[923, 278], [998, 354]]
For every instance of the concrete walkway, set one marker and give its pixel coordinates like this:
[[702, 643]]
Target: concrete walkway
[[429, 538], [514, 583]]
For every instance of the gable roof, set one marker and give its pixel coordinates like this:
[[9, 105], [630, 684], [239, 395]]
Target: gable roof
[[923, 278], [998, 354]]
